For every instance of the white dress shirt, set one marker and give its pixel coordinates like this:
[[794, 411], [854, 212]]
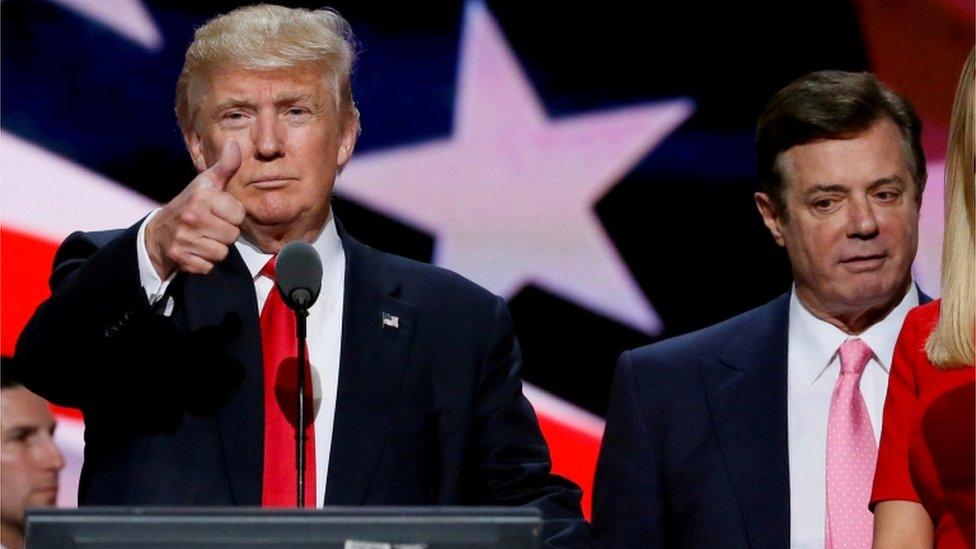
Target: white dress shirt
[[324, 326], [813, 369]]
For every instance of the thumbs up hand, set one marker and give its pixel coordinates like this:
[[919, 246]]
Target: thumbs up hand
[[195, 230]]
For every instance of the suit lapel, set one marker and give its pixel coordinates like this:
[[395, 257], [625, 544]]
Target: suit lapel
[[211, 300], [747, 395], [373, 361]]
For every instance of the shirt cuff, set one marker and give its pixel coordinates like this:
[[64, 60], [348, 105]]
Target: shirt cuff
[[154, 286]]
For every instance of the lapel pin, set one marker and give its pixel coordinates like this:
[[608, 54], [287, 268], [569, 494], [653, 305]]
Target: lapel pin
[[391, 321]]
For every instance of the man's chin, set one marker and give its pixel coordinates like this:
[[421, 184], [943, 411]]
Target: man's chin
[[43, 498], [873, 292], [271, 219]]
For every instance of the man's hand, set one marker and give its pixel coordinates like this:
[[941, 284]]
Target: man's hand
[[196, 229]]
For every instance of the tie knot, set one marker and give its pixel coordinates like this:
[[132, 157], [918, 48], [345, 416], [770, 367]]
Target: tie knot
[[269, 268], [854, 356]]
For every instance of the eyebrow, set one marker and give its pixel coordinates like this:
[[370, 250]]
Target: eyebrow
[[287, 98], [826, 189], [231, 104], [842, 188], [281, 99], [894, 179]]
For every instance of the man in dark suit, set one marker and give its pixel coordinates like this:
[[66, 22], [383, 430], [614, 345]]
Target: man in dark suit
[[171, 338], [761, 431]]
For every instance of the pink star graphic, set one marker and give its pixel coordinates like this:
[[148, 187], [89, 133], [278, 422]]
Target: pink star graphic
[[509, 196]]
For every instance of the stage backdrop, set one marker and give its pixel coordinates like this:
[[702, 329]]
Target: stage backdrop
[[593, 166]]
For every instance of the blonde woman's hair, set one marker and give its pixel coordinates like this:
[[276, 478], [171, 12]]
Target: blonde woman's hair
[[269, 37], [951, 343]]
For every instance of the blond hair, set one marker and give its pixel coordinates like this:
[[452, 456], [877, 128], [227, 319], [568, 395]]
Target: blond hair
[[269, 37], [951, 342]]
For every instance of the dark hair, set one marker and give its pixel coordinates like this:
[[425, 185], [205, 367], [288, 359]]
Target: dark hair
[[7, 380], [832, 105]]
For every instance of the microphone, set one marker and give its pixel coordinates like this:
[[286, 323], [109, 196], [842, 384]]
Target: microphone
[[298, 271], [298, 274]]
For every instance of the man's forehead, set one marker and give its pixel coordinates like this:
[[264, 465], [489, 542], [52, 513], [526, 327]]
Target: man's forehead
[[861, 159], [276, 82], [19, 407]]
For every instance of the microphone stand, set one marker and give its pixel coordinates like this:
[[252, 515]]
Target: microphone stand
[[301, 314]]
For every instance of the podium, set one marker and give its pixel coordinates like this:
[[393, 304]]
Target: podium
[[339, 527]]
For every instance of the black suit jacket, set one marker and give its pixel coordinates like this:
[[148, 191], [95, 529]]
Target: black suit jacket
[[695, 452], [429, 413]]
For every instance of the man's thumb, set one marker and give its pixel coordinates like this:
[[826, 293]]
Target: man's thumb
[[226, 166]]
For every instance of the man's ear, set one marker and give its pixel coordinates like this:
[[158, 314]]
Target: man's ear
[[194, 145], [347, 139], [770, 216]]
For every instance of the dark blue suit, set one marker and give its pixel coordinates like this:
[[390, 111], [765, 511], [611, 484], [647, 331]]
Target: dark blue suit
[[428, 413], [695, 448], [695, 452]]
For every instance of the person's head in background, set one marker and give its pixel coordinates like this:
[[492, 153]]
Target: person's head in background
[[29, 460], [951, 343]]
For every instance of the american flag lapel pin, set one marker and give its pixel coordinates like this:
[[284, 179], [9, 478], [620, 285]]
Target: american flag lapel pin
[[391, 321]]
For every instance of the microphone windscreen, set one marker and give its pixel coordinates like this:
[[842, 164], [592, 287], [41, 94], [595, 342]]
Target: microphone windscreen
[[298, 272]]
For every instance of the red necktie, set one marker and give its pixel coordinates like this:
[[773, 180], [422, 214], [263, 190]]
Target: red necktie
[[280, 351]]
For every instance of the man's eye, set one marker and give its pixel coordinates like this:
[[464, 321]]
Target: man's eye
[[297, 111], [234, 116], [886, 195], [823, 204], [18, 436]]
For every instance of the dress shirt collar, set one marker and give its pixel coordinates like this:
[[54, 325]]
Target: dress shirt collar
[[818, 340], [327, 244]]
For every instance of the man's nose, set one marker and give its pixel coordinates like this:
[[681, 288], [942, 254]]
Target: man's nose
[[862, 219], [268, 136], [49, 456]]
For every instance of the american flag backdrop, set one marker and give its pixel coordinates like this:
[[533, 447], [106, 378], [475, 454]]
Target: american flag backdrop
[[591, 163]]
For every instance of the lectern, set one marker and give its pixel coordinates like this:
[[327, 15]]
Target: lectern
[[340, 527]]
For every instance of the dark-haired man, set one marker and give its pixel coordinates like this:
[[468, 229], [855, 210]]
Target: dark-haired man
[[761, 431], [29, 460]]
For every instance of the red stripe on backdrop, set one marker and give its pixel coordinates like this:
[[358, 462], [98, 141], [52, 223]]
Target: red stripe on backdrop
[[25, 265], [918, 48], [71, 413], [574, 454]]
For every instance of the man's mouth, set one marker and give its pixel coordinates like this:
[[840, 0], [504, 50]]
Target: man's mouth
[[47, 490], [268, 182], [864, 262]]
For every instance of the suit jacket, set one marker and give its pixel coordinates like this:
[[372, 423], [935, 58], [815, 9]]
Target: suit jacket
[[695, 452], [428, 413]]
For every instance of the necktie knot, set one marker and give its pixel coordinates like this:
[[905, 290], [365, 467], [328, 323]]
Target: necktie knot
[[269, 268], [854, 356]]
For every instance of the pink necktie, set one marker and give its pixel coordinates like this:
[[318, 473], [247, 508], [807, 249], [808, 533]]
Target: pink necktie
[[851, 455]]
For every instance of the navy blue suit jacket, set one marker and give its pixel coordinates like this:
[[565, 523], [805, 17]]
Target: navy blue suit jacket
[[695, 451], [428, 413], [695, 448]]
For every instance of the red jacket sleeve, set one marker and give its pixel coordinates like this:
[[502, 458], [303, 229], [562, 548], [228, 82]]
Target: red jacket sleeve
[[892, 480]]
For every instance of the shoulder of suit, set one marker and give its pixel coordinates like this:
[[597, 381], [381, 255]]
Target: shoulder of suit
[[81, 244], [432, 281], [755, 324], [98, 238]]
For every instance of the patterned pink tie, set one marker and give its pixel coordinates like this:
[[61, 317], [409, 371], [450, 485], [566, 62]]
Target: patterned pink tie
[[851, 455]]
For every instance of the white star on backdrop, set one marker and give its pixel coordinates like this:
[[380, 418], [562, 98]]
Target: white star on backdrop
[[128, 18], [509, 196]]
